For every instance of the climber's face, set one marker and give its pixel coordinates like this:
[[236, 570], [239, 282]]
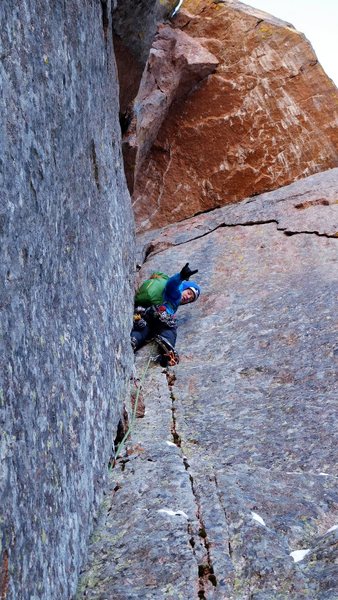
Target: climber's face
[[187, 296]]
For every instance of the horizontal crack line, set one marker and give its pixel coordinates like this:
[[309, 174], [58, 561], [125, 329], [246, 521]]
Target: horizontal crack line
[[152, 248], [327, 235]]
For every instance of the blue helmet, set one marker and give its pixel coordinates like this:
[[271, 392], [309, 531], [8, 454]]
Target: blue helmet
[[192, 285]]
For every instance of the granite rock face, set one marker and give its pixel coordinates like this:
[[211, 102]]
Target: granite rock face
[[134, 27], [265, 118], [231, 476], [176, 65], [306, 206], [67, 246], [135, 23]]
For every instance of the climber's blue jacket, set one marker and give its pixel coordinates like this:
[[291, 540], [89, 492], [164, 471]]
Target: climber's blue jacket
[[173, 292]]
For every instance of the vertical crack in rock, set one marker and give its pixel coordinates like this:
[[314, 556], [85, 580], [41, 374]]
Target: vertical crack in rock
[[206, 573], [171, 377], [122, 428], [95, 164], [205, 569], [225, 516], [105, 18]]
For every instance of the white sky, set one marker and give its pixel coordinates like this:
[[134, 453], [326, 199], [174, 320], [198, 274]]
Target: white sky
[[318, 19]]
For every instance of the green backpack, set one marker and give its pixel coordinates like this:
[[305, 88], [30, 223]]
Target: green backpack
[[151, 291]]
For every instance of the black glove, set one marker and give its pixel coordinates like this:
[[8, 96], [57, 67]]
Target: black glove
[[186, 272], [139, 323]]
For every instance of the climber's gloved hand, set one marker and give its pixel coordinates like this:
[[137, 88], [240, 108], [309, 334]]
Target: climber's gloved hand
[[139, 323], [186, 272]]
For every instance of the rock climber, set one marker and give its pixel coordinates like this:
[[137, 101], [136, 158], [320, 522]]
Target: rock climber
[[157, 301]]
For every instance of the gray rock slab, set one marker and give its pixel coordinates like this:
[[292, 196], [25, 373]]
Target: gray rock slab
[[254, 400], [309, 206], [147, 543]]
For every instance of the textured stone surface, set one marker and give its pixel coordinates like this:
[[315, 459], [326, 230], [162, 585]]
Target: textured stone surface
[[141, 555], [253, 413], [177, 63], [66, 271], [308, 206], [135, 23], [130, 71], [267, 117]]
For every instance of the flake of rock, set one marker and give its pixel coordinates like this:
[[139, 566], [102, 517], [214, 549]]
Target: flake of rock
[[333, 528], [134, 27], [172, 513], [265, 118], [258, 518], [176, 64]]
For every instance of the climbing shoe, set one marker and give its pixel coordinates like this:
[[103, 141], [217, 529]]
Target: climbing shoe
[[169, 356]]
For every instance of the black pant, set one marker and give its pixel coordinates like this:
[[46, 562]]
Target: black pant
[[154, 323]]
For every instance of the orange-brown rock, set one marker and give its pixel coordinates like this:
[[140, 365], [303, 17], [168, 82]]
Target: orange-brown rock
[[134, 27], [265, 118], [177, 63]]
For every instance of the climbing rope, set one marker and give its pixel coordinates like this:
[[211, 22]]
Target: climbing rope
[[133, 416]]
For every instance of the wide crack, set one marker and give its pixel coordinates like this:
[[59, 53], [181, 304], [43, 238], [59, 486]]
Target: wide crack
[[206, 573]]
